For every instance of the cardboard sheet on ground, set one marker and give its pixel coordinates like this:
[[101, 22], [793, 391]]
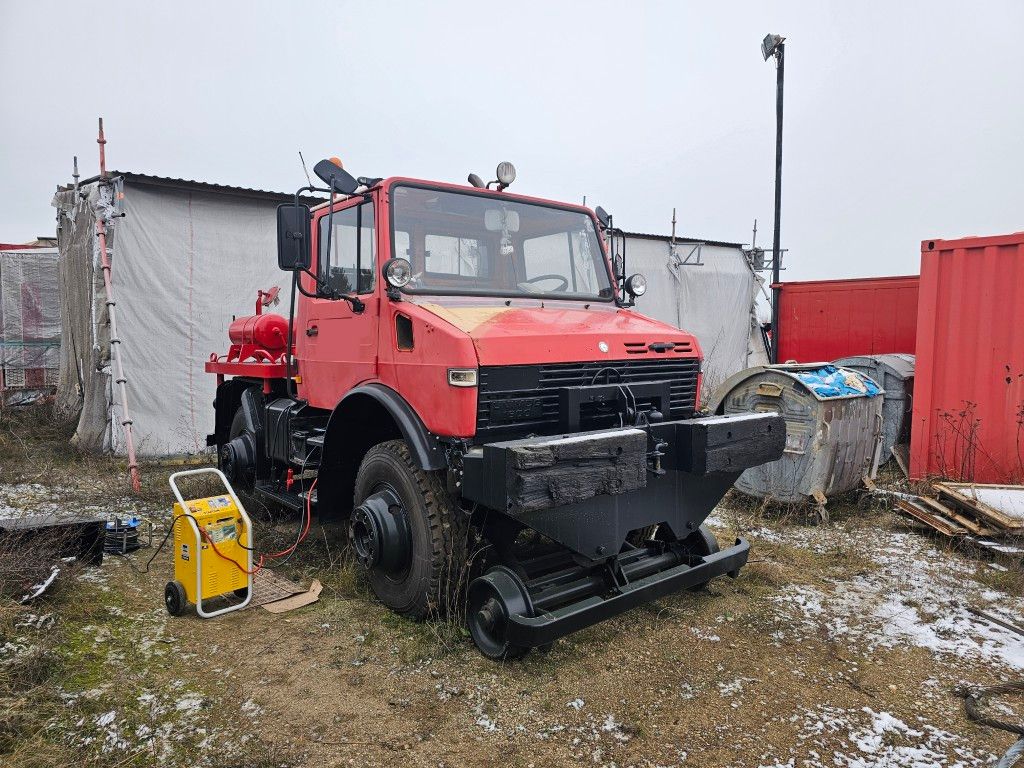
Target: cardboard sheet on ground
[[277, 594], [296, 601]]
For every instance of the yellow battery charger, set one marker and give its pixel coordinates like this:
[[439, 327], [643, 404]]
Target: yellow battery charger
[[212, 549]]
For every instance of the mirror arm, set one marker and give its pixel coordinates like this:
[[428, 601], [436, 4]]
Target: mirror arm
[[323, 290]]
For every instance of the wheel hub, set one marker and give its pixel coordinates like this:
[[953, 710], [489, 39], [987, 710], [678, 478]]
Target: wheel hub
[[379, 530], [238, 459]]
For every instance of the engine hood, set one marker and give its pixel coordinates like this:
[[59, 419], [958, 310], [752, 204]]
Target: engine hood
[[504, 335]]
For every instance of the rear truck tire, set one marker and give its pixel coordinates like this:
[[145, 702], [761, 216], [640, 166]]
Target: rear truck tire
[[408, 533], [174, 598]]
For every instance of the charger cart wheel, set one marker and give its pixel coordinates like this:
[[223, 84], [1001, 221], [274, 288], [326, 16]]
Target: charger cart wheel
[[408, 533], [174, 598], [493, 597]]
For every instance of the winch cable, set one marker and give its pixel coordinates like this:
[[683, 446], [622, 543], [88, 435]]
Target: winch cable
[[973, 699]]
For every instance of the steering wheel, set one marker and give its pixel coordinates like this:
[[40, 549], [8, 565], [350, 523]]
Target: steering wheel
[[564, 280]]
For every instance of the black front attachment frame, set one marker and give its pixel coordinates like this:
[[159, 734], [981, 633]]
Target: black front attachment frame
[[647, 578]]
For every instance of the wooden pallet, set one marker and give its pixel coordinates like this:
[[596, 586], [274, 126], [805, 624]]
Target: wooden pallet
[[953, 513], [959, 495], [929, 516]]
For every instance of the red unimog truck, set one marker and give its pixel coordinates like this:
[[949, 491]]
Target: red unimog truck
[[461, 377]]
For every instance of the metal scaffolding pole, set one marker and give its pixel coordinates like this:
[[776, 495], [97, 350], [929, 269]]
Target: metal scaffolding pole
[[115, 341]]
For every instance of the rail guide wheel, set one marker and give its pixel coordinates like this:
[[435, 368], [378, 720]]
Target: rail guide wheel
[[493, 598]]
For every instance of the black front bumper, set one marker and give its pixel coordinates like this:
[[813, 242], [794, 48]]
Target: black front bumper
[[588, 490], [544, 627]]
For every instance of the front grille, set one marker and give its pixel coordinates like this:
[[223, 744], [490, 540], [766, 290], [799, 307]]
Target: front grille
[[517, 400]]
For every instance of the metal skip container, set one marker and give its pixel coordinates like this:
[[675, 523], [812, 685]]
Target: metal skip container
[[895, 373], [833, 428]]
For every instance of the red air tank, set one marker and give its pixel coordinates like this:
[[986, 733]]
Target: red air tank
[[254, 333]]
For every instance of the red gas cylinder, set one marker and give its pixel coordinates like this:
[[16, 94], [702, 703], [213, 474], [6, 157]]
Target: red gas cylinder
[[259, 332]]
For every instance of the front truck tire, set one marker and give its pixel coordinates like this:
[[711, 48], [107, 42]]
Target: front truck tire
[[431, 579]]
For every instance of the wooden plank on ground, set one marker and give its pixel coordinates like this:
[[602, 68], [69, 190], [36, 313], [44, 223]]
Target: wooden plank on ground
[[901, 453], [930, 518], [968, 522]]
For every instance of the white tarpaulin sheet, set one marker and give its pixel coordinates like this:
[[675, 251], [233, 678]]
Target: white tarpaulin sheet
[[184, 262], [715, 301]]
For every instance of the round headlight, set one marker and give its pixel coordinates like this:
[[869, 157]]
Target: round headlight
[[397, 272], [636, 285], [506, 173]]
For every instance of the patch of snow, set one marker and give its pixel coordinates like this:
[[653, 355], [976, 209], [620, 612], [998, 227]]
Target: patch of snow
[[106, 718], [486, 723], [190, 703], [614, 728], [702, 634], [576, 704], [915, 595], [870, 739]]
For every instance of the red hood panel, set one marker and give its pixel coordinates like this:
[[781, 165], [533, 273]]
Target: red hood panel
[[523, 336]]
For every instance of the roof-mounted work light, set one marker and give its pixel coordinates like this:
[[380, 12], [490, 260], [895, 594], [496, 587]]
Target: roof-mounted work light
[[770, 44]]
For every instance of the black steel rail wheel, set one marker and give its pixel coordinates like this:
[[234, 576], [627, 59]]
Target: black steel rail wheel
[[701, 543], [492, 598], [408, 533]]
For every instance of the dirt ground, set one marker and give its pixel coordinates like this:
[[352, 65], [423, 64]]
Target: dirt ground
[[840, 644]]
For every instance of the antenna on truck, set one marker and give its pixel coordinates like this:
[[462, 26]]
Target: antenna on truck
[[304, 168]]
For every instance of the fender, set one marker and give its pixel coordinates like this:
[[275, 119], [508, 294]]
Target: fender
[[425, 448], [365, 416]]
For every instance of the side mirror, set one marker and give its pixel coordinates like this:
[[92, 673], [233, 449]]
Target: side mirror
[[603, 217], [293, 245], [344, 182]]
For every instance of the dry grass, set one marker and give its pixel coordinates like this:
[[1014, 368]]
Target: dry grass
[[718, 676]]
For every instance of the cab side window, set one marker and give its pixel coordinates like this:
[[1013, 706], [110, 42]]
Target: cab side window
[[349, 268]]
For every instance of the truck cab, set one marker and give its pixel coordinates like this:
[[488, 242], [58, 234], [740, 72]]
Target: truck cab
[[464, 380]]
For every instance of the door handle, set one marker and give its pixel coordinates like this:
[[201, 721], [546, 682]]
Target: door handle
[[312, 330]]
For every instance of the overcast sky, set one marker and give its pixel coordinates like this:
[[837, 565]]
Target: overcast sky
[[904, 120]]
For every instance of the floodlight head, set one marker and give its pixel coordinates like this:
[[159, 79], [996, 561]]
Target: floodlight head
[[770, 44]]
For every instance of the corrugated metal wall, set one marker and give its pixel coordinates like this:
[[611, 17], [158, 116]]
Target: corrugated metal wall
[[828, 319], [969, 389]]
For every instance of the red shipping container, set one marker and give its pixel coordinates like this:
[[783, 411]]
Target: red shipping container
[[823, 320], [968, 421]]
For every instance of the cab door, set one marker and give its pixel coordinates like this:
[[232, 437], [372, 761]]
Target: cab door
[[336, 344]]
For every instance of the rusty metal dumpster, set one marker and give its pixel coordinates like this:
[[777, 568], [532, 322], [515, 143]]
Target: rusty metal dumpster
[[895, 374], [833, 429]]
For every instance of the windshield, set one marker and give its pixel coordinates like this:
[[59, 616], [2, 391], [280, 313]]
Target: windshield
[[480, 245]]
